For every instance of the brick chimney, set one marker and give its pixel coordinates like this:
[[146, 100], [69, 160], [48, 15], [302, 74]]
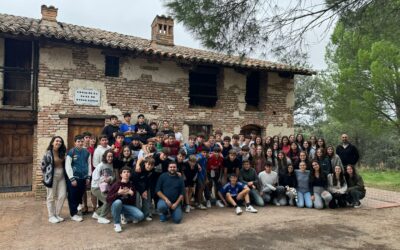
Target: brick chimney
[[162, 30], [49, 13]]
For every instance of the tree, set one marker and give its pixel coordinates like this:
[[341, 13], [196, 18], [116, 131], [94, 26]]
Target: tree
[[245, 26]]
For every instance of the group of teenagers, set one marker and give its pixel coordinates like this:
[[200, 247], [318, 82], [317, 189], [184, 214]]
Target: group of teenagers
[[130, 167]]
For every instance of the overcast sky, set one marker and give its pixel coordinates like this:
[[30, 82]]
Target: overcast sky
[[131, 17]]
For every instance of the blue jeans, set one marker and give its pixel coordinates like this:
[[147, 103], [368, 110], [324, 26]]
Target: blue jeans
[[304, 199], [256, 198], [130, 212], [176, 214]]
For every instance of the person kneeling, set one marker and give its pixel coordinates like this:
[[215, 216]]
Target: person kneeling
[[123, 200], [234, 193]]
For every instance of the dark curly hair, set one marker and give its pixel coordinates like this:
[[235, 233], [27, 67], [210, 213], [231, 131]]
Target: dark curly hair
[[104, 157]]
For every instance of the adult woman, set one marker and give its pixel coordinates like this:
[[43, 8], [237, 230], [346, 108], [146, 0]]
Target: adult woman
[[285, 146], [303, 186], [304, 157], [355, 186], [289, 181], [335, 159], [318, 182], [323, 161], [282, 163], [337, 186], [300, 141], [294, 155], [259, 160], [269, 156], [53, 168], [102, 178]]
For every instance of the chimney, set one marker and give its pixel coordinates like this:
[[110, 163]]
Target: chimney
[[49, 13], [162, 30]]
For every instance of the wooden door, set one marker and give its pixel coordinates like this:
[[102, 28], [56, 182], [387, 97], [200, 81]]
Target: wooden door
[[78, 126], [16, 157]]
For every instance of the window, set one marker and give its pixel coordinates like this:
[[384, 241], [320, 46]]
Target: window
[[252, 90], [17, 88], [112, 66], [203, 86], [196, 129]]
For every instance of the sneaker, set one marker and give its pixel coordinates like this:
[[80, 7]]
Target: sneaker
[[220, 204], [191, 207], [53, 220], [357, 205], [251, 209], [123, 220], [135, 221], [103, 220], [95, 216], [201, 207], [208, 204], [76, 218], [60, 219], [238, 211], [187, 209], [79, 207], [117, 228], [149, 218]]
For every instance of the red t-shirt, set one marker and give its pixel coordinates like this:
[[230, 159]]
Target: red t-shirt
[[214, 162], [174, 147], [117, 146]]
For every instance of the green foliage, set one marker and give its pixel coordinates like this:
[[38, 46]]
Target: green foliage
[[383, 179]]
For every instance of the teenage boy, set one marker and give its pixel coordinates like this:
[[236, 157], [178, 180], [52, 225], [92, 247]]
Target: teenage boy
[[142, 129], [153, 129], [135, 146], [190, 146], [190, 171], [218, 136], [111, 130], [78, 169], [159, 141], [247, 140], [269, 189], [101, 148], [245, 154], [173, 145], [86, 139], [202, 179], [127, 128], [235, 143], [161, 162], [178, 135], [231, 165], [248, 176], [145, 182], [171, 190], [233, 193], [148, 149], [212, 143], [214, 172], [117, 145], [180, 161], [200, 141], [241, 139], [122, 196], [166, 129], [226, 146]]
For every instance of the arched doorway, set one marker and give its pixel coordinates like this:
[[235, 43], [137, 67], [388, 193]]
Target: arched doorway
[[247, 129]]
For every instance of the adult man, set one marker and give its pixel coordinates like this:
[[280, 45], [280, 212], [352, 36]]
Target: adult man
[[78, 169], [269, 189], [111, 130], [234, 192], [347, 152], [171, 190]]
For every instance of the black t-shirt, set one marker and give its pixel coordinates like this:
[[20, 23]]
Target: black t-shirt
[[145, 131], [168, 131], [231, 165], [190, 173], [109, 130], [161, 166], [225, 151]]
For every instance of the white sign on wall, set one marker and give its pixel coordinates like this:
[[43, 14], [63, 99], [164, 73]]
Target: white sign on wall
[[87, 97]]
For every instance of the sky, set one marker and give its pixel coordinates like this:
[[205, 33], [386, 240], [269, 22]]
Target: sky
[[132, 17]]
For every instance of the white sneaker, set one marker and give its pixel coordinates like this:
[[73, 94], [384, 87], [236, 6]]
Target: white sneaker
[[238, 210], [76, 218], [208, 204], [80, 207], [123, 220], [191, 207], [117, 228], [148, 218], [187, 209], [53, 220], [201, 207], [251, 209], [103, 220], [60, 219], [220, 204], [357, 205], [135, 221], [95, 216]]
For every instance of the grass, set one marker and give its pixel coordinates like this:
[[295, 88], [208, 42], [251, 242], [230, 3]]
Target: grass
[[382, 179]]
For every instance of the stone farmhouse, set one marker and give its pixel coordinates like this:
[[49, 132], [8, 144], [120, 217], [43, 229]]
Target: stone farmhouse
[[63, 79]]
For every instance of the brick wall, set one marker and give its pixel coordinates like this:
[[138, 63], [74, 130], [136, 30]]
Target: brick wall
[[142, 84]]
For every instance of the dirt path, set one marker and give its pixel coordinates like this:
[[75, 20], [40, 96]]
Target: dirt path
[[24, 226]]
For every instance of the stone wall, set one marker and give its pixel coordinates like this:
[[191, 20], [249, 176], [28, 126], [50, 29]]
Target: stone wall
[[144, 84]]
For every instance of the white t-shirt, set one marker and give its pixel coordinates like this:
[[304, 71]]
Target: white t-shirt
[[179, 136]]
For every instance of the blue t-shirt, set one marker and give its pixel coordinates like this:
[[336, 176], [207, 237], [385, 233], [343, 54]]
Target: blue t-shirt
[[233, 190], [202, 161], [125, 128]]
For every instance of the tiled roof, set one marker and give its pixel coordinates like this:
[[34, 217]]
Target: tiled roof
[[25, 26]]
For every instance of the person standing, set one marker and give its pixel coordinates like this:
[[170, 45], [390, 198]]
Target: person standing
[[127, 128], [347, 152], [53, 168], [111, 130], [171, 190]]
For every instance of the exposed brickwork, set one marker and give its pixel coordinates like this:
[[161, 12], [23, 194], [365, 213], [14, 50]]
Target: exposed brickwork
[[139, 96]]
